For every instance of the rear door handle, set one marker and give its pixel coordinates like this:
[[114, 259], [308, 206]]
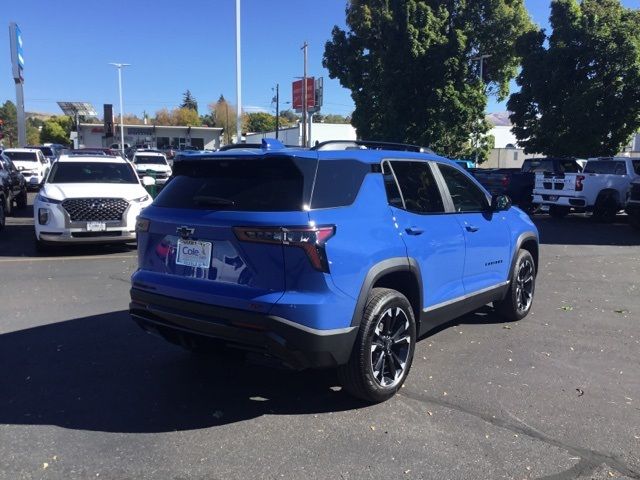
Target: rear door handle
[[471, 228], [414, 231]]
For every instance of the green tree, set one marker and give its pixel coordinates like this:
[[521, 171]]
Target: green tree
[[260, 122], [188, 101], [224, 115], [8, 114], [409, 65], [288, 118], [580, 85], [186, 116], [333, 118], [54, 132]]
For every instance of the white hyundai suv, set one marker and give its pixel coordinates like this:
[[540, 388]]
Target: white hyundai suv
[[89, 199], [154, 163], [31, 163]]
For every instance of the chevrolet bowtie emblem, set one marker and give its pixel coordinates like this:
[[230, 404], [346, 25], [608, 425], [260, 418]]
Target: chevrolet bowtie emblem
[[185, 232]]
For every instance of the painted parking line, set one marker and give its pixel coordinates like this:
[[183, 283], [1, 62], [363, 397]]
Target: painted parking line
[[53, 259]]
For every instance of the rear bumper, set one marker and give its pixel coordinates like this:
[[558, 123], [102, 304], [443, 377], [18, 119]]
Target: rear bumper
[[296, 345], [72, 238], [564, 201]]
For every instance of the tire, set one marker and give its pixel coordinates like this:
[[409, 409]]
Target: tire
[[388, 315], [8, 207], [605, 209], [3, 216], [558, 211], [21, 200], [522, 284]]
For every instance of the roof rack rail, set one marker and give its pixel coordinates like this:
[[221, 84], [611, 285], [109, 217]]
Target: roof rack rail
[[372, 145]]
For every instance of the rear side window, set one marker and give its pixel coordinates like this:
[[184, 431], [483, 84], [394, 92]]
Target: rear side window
[[605, 167], [418, 186], [273, 184], [636, 166], [338, 182]]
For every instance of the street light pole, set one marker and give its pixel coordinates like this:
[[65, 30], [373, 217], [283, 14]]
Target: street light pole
[[120, 66], [238, 77], [304, 96], [481, 59]]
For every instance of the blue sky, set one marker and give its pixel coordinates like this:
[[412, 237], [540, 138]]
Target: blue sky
[[174, 46]]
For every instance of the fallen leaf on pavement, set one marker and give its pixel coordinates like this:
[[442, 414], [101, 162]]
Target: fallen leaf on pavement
[[580, 392]]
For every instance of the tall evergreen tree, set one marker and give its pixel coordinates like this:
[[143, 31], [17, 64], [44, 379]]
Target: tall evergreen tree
[[188, 101], [410, 66], [580, 86]]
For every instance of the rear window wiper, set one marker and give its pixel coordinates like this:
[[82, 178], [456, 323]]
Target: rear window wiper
[[206, 200]]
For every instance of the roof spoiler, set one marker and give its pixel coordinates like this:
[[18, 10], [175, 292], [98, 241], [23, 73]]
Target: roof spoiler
[[272, 144]]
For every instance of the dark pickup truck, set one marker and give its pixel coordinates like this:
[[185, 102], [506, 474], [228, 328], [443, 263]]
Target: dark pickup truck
[[518, 183]]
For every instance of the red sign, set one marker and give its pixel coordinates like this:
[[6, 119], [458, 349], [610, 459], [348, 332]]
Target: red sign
[[298, 94]]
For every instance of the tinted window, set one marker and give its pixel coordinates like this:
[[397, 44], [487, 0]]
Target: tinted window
[[46, 151], [606, 167], [149, 159], [391, 187], [636, 166], [418, 187], [22, 156], [536, 165], [466, 195], [569, 166], [91, 172], [258, 184], [338, 182]]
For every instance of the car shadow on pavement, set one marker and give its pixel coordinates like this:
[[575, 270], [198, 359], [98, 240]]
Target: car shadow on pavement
[[18, 240], [102, 373], [581, 230]]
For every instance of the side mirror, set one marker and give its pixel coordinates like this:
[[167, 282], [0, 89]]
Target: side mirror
[[148, 181], [500, 203]]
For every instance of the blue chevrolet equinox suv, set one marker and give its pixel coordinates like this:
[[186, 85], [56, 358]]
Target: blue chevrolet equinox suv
[[338, 256]]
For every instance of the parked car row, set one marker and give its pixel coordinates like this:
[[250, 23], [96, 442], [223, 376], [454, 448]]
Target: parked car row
[[600, 186], [13, 188]]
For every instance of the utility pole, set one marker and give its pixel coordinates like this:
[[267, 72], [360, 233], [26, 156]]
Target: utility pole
[[238, 77], [304, 97], [277, 99]]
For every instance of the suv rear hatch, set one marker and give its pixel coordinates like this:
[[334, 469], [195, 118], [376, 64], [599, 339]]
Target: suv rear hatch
[[210, 233]]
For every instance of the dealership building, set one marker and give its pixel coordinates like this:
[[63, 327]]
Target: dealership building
[[154, 136]]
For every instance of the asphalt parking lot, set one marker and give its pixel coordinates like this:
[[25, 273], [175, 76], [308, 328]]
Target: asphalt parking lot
[[84, 393]]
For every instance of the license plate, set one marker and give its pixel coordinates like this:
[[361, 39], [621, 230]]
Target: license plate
[[553, 198], [96, 226], [194, 253], [544, 208]]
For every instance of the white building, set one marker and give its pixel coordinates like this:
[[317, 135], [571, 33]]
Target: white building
[[155, 136], [320, 132]]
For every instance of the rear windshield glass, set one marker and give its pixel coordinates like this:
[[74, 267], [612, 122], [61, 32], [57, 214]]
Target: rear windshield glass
[[22, 156], [547, 165], [46, 151], [149, 159], [605, 166], [261, 184], [91, 172]]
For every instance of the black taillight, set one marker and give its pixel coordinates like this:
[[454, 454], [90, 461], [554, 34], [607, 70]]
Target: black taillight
[[311, 239]]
